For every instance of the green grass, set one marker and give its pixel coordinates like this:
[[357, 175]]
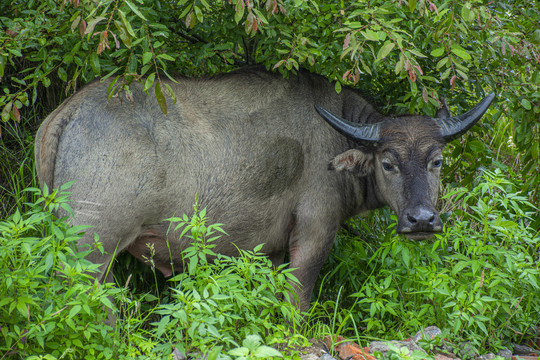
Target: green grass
[[16, 168]]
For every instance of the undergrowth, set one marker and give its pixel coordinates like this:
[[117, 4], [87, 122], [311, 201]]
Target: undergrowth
[[479, 280], [220, 307], [49, 302], [225, 301]]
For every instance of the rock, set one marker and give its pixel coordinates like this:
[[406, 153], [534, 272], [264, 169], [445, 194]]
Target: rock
[[505, 353], [489, 356], [523, 350], [309, 357], [313, 356], [177, 355], [382, 346], [429, 333], [327, 356]]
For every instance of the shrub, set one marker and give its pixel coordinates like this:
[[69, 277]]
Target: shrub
[[479, 279], [49, 302], [224, 301]]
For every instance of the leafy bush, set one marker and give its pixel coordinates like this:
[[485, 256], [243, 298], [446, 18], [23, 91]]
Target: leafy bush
[[51, 307], [222, 300], [49, 302], [480, 279]]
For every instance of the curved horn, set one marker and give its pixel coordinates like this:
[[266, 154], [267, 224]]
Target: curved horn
[[454, 127], [367, 134]]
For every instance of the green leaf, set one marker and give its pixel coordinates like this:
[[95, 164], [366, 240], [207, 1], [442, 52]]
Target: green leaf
[[459, 266], [110, 74], [370, 35], [461, 52], [92, 24], [147, 56], [337, 86], [526, 104], [6, 111], [476, 146], [385, 50], [437, 52], [62, 74], [3, 60], [535, 38], [240, 351], [22, 308], [166, 57], [252, 342], [171, 93], [94, 63], [239, 11], [126, 23], [149, 82], [442, 62], [399, 65], [406, 256], [216, 350], [135, 10], [412, 5], [417, 53], [265, 352], [162, 325], [74, 311], [160, 98], [15, 52]]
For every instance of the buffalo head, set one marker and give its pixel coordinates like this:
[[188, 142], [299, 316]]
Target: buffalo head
[[402, 158]]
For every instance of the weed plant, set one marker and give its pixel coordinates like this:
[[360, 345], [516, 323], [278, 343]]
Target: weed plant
[[227, 301], [49, 302], [51, 307]]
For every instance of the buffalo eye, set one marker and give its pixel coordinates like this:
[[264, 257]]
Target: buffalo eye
[[437, 163], [387, 166]]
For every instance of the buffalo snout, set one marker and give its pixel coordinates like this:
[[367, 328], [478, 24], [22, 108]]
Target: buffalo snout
[[419, 222]]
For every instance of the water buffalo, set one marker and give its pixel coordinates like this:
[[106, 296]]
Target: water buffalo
[[255, 150]]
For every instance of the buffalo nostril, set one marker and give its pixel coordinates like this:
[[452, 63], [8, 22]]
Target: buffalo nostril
[[432, 219], [411, 219]]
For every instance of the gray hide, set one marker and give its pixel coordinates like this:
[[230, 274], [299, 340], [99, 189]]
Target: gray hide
[[253, 150]]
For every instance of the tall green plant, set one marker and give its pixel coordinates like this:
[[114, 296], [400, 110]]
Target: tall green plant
[[222, 300], [49, 302]]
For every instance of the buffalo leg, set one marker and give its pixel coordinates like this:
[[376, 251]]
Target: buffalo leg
[[308, 252]]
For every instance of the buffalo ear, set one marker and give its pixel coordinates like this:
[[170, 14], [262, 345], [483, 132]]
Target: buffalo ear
[[443, 112], [354, 160]]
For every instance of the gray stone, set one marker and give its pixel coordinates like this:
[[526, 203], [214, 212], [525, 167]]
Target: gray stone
[[327, 356], [523, 350], [178, 355], [429, 333], [505, 353], [382, 346]]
